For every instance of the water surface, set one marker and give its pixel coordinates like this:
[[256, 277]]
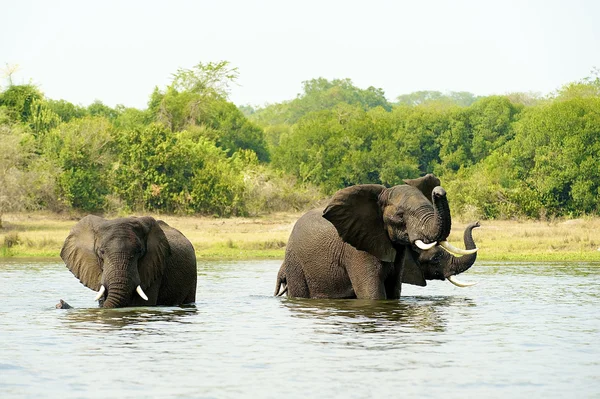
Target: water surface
[[526, 330]]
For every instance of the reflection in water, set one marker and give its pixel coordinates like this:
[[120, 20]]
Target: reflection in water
[[525, 330], [394, 322], [98, 318]]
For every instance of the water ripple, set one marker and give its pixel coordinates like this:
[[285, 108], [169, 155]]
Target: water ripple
[[525, 330]]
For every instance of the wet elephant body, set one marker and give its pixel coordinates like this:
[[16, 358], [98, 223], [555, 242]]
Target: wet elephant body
[[134, 261], [368, 241]]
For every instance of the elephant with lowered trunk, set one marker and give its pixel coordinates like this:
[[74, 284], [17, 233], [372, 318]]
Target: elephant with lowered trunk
[[134, 261], [369, 240]]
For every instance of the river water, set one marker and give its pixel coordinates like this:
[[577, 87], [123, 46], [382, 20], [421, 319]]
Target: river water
[[526, 330]]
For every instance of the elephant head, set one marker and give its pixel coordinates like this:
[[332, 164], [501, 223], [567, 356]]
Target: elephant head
[[438, 264], [382, 220], [116, 257]]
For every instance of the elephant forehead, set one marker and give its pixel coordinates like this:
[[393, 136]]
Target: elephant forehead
[[403, 192], [118, 232]]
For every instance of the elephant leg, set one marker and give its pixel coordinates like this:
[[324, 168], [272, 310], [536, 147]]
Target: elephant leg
[[281, 281], [393, 284], [295, 279], [367, 274]]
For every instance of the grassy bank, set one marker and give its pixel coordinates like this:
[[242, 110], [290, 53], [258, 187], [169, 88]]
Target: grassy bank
[[42, 235]]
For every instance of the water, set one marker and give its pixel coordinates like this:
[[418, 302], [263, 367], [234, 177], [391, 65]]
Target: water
[[525, 330]]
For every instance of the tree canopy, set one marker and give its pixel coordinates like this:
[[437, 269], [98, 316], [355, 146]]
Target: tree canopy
[[193, 151]]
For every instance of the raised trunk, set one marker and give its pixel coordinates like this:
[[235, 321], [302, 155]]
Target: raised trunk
[[437, 226], [463, 263]]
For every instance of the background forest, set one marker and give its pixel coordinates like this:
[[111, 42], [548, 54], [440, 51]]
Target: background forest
[[191, 151]]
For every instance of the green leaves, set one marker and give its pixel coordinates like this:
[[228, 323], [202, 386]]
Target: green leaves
[[193, 151], [212, 78], [158, 170], [81, 149]]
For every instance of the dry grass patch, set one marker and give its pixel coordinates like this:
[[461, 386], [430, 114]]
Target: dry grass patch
[[42, 234], [576, 239]]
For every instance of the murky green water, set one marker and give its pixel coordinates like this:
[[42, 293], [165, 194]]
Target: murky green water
[[524, 331]]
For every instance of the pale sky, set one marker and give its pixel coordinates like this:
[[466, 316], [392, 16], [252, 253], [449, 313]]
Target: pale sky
[[118, 51]]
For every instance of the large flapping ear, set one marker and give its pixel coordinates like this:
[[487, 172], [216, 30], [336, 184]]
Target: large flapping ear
[[411, 273], [79, 254], [152, 264], [425, 184], [356, 212]]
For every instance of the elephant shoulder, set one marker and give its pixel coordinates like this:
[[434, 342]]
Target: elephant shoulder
[[313, 223], [178, 242]]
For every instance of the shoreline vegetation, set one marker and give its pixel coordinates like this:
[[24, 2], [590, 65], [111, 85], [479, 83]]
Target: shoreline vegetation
[[524, 164], [41, 235]]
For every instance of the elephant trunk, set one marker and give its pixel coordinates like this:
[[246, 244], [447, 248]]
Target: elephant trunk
[[436, 226], [117, 296], [118, 281], [463, 263]]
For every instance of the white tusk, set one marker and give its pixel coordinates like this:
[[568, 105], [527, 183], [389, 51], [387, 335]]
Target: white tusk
[[100, 293], [456, 251], [420, 244], [140, 291], [459, 283]]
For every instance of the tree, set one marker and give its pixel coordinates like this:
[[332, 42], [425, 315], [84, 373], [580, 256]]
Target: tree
[[321, 94], [460, 98], [82, 150], [18, 100], [158, 170], [65, 110], [14, 156], [556, 147], [212, 79], [97, 108], [196, 101]]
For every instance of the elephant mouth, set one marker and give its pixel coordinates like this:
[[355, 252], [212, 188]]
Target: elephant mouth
[[451, 249], [103, 293]]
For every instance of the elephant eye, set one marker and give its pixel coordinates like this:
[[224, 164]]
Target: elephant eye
[[101, 251], [398, 218]]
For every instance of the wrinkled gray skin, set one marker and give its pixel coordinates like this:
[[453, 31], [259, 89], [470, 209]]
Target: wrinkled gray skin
[[363, 244], [435, 264], [123, 253], [438, 264]]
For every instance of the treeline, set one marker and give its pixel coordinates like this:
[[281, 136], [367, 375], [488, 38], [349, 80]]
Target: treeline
[[517, 155], [191, 151]]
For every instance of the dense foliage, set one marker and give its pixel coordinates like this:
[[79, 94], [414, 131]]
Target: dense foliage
[[498, 156], [193, 151]]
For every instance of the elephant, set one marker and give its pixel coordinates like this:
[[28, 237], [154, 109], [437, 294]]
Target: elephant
[[438, 264], [368, 241], [132, 261]]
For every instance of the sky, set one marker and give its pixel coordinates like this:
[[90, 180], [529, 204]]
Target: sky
[[118, 51]]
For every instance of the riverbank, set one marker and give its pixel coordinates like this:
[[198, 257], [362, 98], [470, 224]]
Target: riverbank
[[42, 235]]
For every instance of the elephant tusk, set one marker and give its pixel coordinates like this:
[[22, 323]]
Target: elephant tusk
[[100, 293], [421, 245], [459, 283], [140, 291], [456, 251]]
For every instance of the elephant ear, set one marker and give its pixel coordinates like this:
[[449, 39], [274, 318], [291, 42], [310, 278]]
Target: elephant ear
[[356, 212], [411, 273], [425, 184], [152, 265], [79, 254]]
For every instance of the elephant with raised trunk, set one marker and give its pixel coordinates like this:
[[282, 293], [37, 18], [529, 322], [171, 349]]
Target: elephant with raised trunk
[[368, 241], [439, 264], [134, 261]]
